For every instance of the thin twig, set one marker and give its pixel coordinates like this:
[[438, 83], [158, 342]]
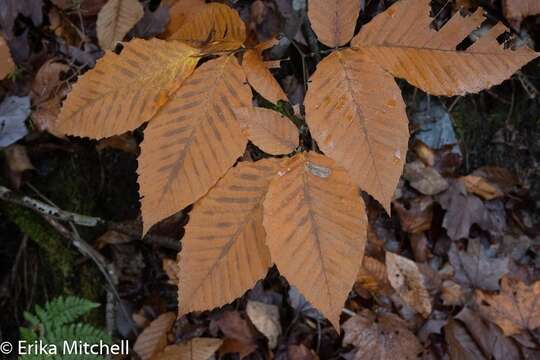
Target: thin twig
[[49, 210]]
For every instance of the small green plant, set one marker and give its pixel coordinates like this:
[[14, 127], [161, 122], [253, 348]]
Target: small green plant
[[55, 326]]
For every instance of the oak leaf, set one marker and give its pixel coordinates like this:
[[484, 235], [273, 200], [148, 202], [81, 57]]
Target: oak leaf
[[223, 250], [402, 41], [124, 91], [316, 230], [194, 349], [260, 78], [268, 129], [215, 28], [409, 282], [6, 62], [153, 339], [193, 140], [515, 309], [355, 112], [476, 268], [115, 19], [334, 21], [382, 337]]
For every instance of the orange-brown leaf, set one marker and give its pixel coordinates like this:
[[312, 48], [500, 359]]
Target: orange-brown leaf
[[6, 62], [194, 349], [519, 9], [115, 19], [193, 140], [215, 28], [154, 338], [515, 309], [223, 251], [334, 20], [355, 112], [268, 129], [409, 283], [316, 230], [372, 275], [403, 42], [179, 14], [123, 91], [261, 79]]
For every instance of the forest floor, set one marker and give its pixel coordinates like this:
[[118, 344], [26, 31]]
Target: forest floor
[[487, 143]]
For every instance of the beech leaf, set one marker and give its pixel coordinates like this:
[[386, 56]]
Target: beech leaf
[[115, 19], [124, 91], [316, 230], [402, 41], [193, 140], [334, 20], [180, 12], [355, 112], [223, 250], [194, 349], [260, 78], [216, 27], [519, 9], [153, 339], [268, 129]]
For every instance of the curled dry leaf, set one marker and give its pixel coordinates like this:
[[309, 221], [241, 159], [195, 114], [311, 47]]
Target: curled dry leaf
[[194, 349], [410, 284], [260, 78], [372, 275], [123, 91], [223, 250], [425, 179], [268, 129], [476, 268], [265, 317], [115, 19], [6, 62], [180, 12], [215, 28], [193, 140], [333, 20], [519, 9], [481, 187], [402, 41], [316, 228], [153, 339], [355, 112], [515, 309], [382, 337]]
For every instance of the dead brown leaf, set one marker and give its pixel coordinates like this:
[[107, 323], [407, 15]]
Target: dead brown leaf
[[154, 338], [424, 179], [265, 317]]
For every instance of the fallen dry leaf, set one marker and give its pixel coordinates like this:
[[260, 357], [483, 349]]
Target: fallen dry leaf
[[180, 12], [240, 337], [6, 62], [265, 317], [410, 284], [451, 293], [520, 9], [372, 276], [382, 337], [425, 179], [115, 19], [194, 349], [461, 345], [416, 215], [515, 309], [153, 339], [488, 336], [481, 187], [477, 268], [272, 132], [316, 229], [301, 352]]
